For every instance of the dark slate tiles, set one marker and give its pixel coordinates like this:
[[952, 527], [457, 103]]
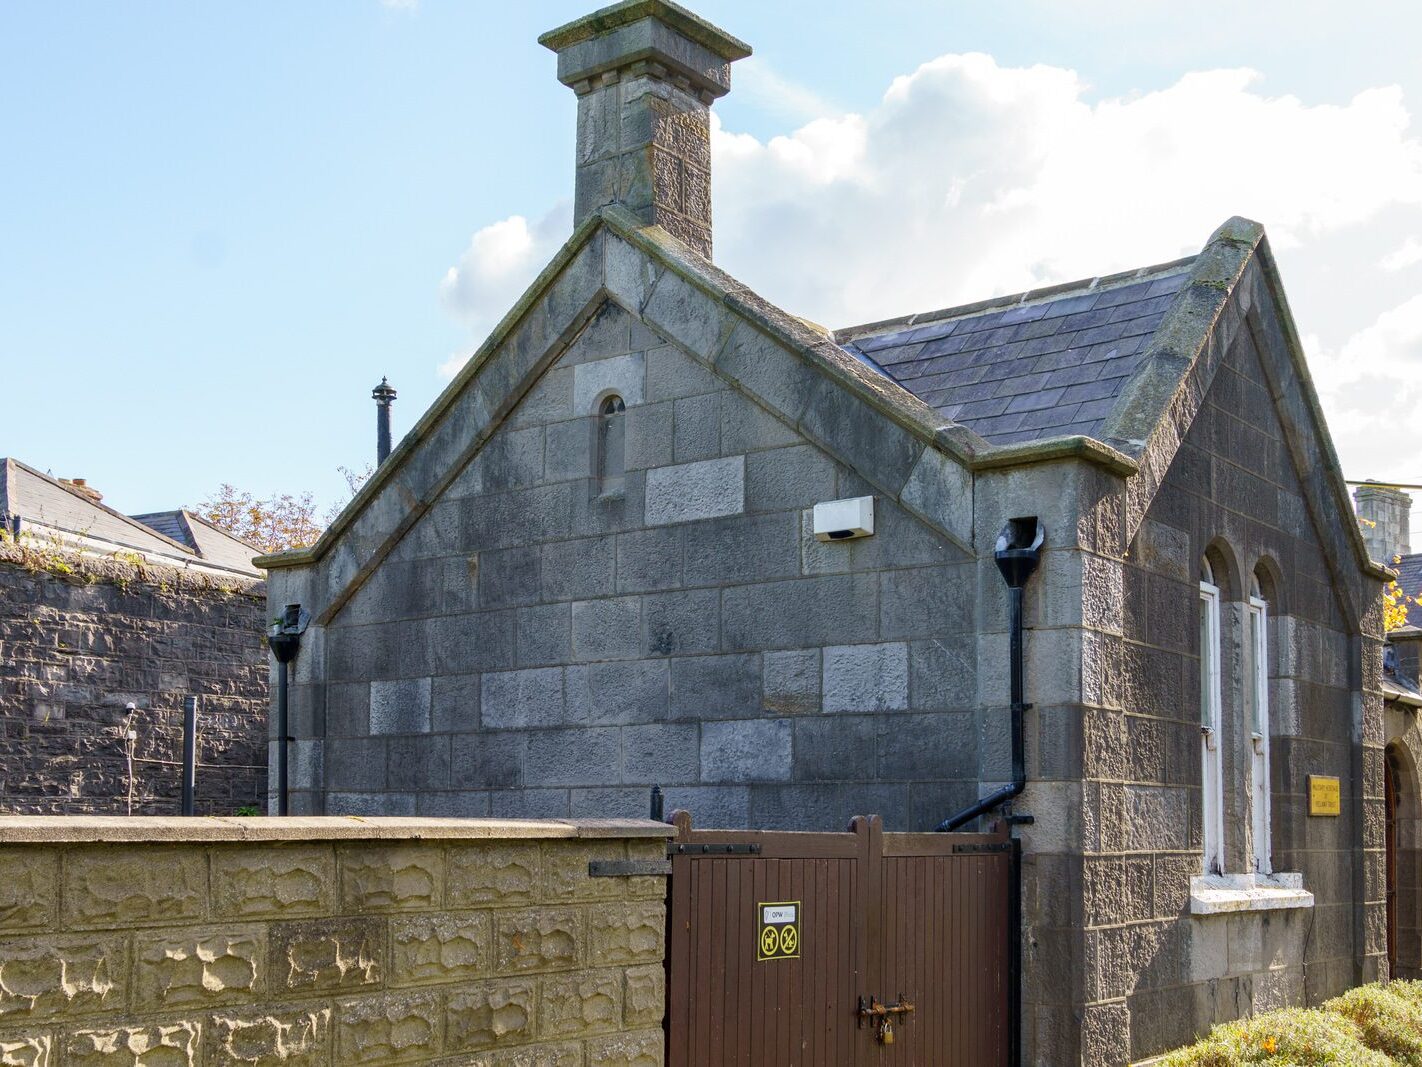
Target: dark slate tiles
[[1028, 371], [1409, 579]]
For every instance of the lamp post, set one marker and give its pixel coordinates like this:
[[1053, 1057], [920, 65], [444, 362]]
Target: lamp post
[[285, 641]]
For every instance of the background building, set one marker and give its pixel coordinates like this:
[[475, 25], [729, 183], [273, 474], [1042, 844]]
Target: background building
[[107, 622]]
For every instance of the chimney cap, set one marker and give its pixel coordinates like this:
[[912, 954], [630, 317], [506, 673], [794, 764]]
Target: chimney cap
[[383, 392], [83, 488], [656, 31]]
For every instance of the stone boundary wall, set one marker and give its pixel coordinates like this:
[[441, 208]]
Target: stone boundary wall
[[84, 637], [320, 941]]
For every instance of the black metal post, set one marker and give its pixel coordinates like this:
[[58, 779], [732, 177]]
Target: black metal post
[[189, 754], [657, 804], [284, 645], [283, 740]]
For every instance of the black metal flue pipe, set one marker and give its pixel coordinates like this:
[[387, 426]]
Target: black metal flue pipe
[[189, 754], [384, 396], [1018, 551]]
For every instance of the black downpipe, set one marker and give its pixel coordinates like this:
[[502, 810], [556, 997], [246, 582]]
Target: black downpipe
[[1019, 549], [189, 755], [1017, 553], [285, 641]]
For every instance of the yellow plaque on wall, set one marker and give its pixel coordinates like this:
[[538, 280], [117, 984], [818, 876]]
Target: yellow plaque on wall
[[1324, 796]]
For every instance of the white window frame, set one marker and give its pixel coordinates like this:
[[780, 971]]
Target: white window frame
[[1257, 617], [1211, 722]]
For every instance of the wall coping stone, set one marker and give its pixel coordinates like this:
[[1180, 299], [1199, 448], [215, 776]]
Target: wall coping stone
[[159, 829]]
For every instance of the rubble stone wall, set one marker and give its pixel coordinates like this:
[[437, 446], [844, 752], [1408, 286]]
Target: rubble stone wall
[[291, 942], [82, 639]]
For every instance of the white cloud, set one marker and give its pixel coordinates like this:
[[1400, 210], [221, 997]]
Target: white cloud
[[969, 179], [758, 82], [494, 269], [1371, 388], [1405, 255]]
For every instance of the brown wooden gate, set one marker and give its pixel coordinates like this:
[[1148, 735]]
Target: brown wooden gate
[[901, 918]]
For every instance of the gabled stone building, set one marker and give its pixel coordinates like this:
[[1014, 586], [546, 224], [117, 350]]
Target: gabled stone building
[[595, 565]]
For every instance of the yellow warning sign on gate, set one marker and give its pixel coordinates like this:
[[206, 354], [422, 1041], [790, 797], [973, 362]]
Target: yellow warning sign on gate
[[779, 930]]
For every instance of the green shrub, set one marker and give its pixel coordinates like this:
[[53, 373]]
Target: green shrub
[[1294, 1037], [1389, 1017]]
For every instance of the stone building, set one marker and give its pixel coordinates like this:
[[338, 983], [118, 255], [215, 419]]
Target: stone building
[[107, 621], [595, 564], [1385, 514]]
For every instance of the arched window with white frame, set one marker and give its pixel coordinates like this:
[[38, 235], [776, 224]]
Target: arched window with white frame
[[1256, 695], [1211, 752]]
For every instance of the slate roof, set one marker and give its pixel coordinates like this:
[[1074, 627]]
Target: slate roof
[[1046, 363], [209, 541], [1409, 580], [168, 523], [48, 507]]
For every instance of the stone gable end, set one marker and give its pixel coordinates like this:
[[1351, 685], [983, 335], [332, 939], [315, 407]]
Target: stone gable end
[[1234, 488], [533, 646]]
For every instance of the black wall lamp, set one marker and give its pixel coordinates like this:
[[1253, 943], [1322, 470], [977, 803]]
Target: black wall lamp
[[285, 641]]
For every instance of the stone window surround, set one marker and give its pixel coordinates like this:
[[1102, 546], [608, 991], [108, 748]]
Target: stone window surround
[[609, 445], [1222, 892]]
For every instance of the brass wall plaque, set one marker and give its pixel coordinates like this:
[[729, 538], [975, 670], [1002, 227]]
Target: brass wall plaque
[[1324, 795]]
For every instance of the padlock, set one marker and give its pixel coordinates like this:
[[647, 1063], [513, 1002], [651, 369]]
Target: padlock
[[886, 1035]]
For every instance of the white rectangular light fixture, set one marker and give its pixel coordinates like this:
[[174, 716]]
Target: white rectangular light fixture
[[843, 520]]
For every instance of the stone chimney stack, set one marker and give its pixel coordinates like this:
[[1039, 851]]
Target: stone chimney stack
[[1388, 510], [646, 73], [83, 488]]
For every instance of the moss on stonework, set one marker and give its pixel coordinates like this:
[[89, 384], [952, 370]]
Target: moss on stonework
[[122, 569]]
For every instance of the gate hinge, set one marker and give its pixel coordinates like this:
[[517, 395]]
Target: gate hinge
[[995, 846], [683, 849], [627, 868]]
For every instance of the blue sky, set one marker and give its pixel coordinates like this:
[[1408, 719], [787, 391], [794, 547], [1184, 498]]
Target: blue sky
[[221, 224]]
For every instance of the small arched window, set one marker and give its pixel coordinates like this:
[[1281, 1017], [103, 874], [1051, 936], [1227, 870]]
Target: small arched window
[[611, 440]]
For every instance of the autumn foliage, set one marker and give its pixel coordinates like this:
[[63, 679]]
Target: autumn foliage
[[273, 524], [279, 522]]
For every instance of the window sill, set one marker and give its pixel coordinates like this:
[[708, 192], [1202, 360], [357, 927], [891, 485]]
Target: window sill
[[1226, 894]]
